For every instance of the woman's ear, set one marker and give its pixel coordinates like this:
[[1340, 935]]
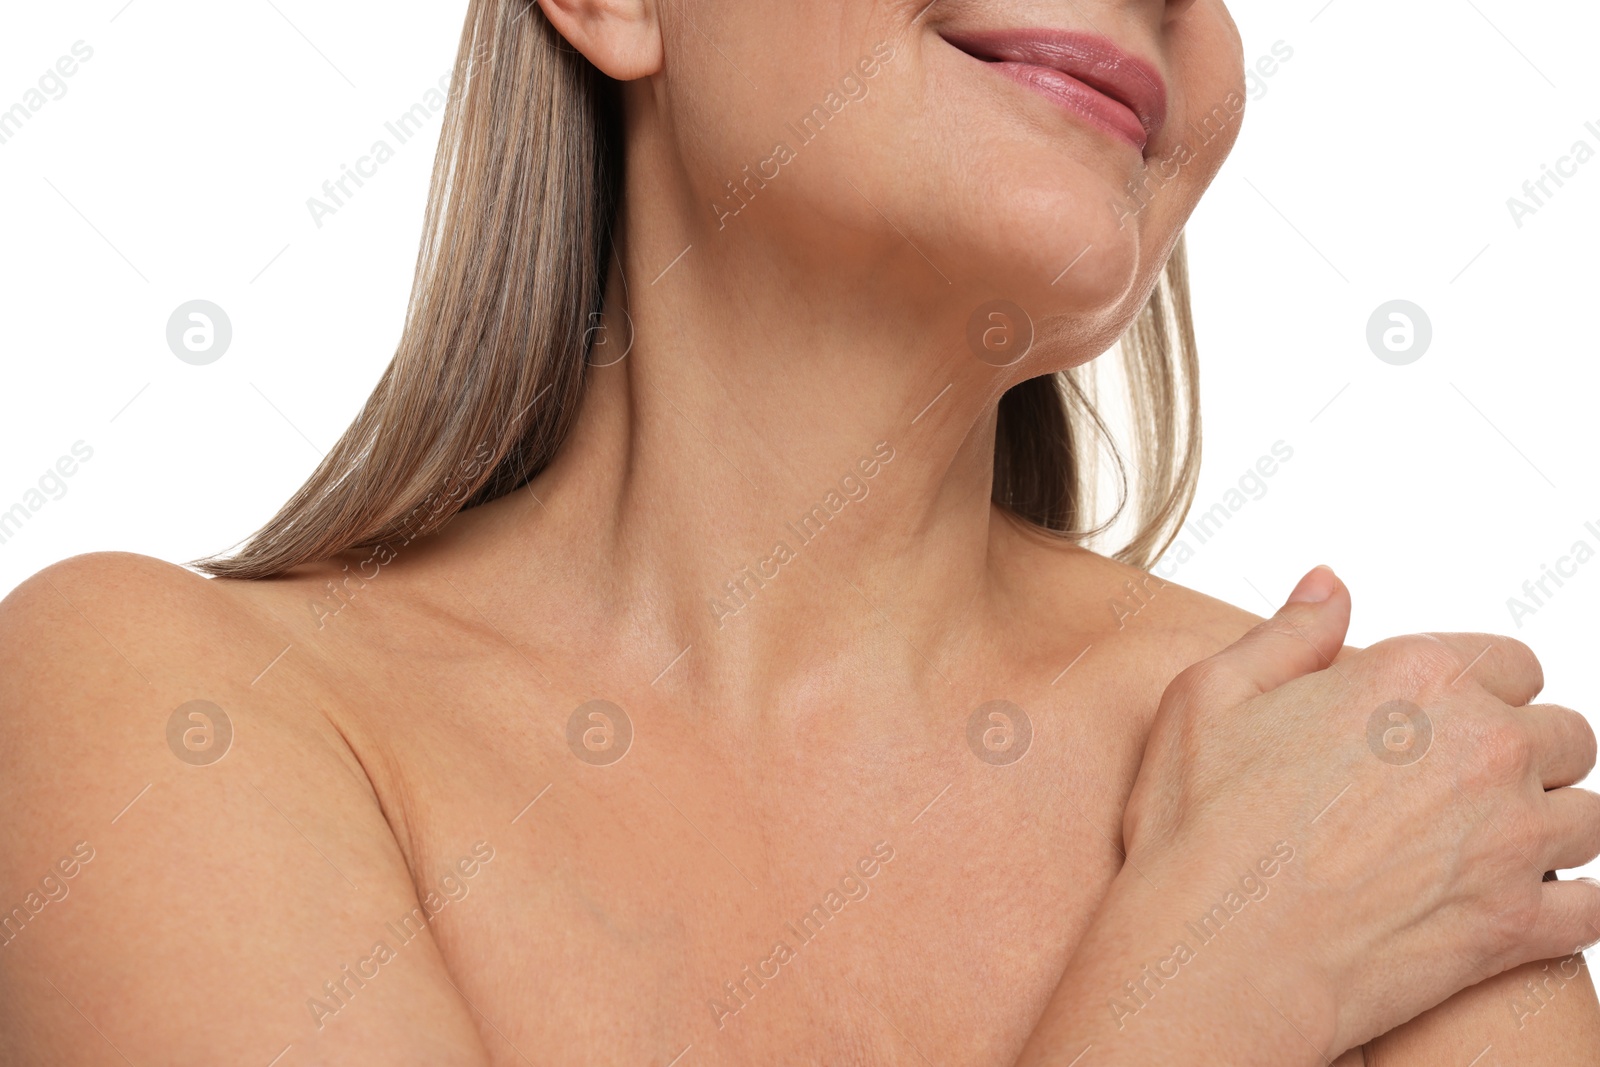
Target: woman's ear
[[620, 37]]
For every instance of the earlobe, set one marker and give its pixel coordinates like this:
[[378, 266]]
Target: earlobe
[[620, 37]]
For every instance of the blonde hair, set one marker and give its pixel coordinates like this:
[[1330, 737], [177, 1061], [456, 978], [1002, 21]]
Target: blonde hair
[[487, 379]]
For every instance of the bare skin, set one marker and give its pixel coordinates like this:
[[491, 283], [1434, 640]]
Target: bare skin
[[403, 743], [425, 717]]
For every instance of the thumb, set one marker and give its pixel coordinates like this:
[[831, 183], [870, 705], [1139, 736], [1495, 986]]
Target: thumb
[[1304, 636]]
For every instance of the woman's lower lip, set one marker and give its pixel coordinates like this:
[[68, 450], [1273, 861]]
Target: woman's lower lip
[[1112, 116]]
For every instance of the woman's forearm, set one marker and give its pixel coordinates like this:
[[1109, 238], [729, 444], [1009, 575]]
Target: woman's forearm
[[1165, 976]]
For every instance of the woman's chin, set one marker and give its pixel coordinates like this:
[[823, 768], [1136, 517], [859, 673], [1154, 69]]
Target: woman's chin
[[1062, 275]]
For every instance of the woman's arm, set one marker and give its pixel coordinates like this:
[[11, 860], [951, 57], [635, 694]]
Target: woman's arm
[[1541, 1014], [1311, 864], [1143, 987], [163, 909]]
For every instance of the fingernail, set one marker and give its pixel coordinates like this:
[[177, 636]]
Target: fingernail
[[1315, 587]]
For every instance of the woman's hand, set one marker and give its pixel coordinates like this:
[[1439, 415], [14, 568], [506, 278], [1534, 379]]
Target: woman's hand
[[1411, 781], [1319, 851]]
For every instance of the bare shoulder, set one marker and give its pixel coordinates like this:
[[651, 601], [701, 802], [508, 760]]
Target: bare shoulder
[[109, 639], [1129, 608], [1149, 618], [141, 619], [176, 814]]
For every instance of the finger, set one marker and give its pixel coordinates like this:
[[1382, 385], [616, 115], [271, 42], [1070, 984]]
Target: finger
[[1572, 829], [1304, 636], [1504, 666], [1563, 743], [1569, 919]]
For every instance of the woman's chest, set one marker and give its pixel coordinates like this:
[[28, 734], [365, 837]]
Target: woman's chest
[[842, 893]]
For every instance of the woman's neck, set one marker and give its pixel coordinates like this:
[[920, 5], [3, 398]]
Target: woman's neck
[[773, 478]]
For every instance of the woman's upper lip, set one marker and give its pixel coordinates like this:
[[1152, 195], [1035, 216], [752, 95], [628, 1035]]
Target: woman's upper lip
[[1093, 60]]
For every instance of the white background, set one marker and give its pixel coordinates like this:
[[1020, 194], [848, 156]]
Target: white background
[[1375, 164]]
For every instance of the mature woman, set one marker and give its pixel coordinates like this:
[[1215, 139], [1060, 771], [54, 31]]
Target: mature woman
[[690, 656]]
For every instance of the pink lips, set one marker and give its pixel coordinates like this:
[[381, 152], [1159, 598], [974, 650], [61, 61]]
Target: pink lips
[[1118, 92]]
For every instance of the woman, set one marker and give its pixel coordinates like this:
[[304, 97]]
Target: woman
[[750, 699]]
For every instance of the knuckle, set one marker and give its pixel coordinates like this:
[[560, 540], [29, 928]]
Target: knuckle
[[1583, 739], [1523, 834], [1525, 662], [1282, 624], [1501, 748], [1514, 922], [1504, 929], [1590, 911], [1588, 811], [1588, 829], [1202, 682], [1416, 662], [1509, 914]]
